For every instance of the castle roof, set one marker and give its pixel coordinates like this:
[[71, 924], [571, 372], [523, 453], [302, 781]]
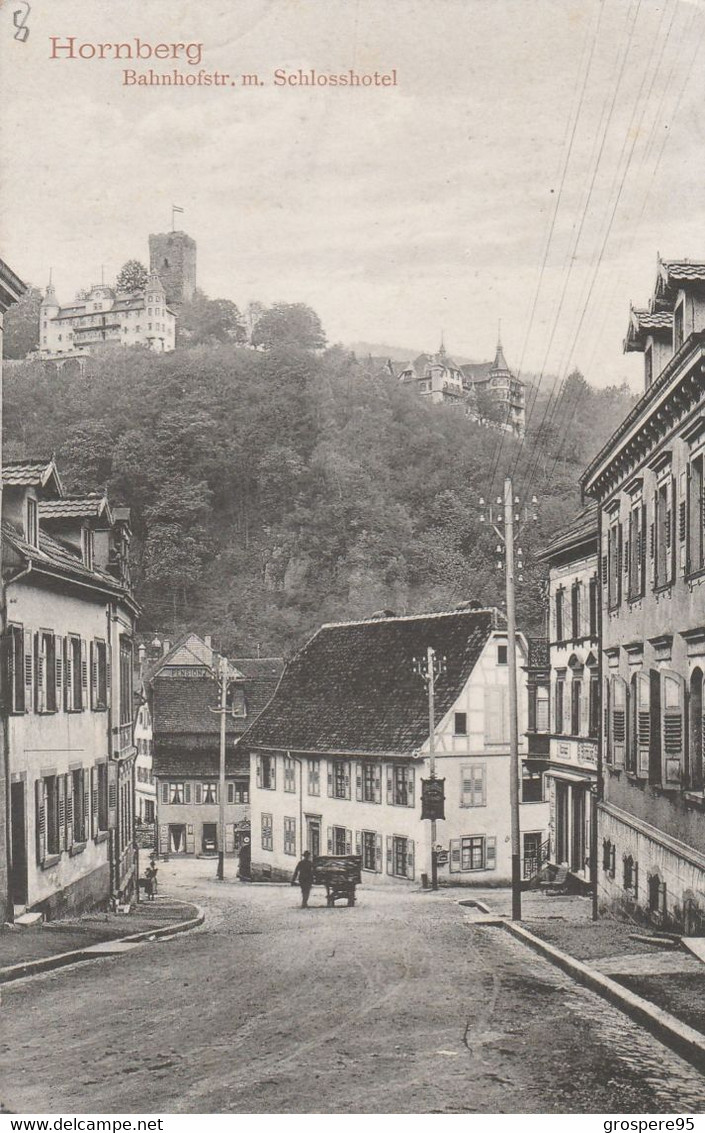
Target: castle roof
[[500, 363]]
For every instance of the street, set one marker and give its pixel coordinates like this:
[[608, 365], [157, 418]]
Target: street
[[396, 1005]]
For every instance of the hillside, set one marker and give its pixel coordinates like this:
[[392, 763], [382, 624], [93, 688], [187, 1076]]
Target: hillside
[[271, 491]]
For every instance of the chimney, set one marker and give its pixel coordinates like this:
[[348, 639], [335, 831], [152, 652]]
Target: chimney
[[208, 640], [166, 646]]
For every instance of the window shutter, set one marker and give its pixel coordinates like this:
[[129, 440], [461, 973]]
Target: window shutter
[[61, 793], [69, 810], [6, 664], [348, 842], [619, 721], [358, 842], [584, 712], [346, 773], [358, 781], [390, 785], [84, 674], [606, 721], [68, 675], [618, 579], [58, 667], [613, 860], [41, 818], [165, 793], [187, 792], [606, 846], [495, 714], [378, 782], [85, 833], [378, 853], [38, 683], [329, 765], [108, 685], [604, 570], [329, 835], [197, 793], [410, 787], [112, 795], [258, 770], [231, 793], [642, 552], [410, 858], [94, 801], [672, 546], [28, 667], [635, 880], [94, 675], [672, 727], [390, 854], [643, 723], [491, 853], [455, 855]]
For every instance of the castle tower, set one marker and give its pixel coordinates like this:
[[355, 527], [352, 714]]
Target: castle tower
[[172, 256]]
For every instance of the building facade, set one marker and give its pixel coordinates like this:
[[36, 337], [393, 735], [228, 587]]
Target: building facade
[[106, 318], [574, 698], [649, 483], [67, 695], [497, 384], [145, 789], [183, 700], [339, 755], [172, 256]]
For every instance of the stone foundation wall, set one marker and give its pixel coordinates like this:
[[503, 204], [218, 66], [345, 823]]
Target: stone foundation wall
[[89, 892]]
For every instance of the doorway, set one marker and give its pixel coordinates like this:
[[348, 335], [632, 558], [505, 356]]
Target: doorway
[[18, 878], [209, 838], [562, 812], [177, 838], [577, 854], [313, 835], [532, 853]]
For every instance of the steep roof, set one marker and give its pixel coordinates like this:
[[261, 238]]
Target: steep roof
[[79, 507], [500, 363], [55, 558], [353, 688], [182, 704], [581, 530], [34, 473]]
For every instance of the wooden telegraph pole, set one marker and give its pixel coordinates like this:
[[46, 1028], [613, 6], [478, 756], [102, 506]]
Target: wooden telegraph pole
[[429, 668]]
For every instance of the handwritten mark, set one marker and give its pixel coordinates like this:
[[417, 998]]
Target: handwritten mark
[[19, 19]]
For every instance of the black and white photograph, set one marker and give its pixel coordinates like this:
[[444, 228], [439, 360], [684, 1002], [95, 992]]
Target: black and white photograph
[[352, 561]]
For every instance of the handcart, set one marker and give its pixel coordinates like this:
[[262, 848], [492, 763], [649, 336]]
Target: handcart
[[340, 874]]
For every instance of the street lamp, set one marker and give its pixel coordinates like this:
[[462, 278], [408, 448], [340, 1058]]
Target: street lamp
[[429, 668]]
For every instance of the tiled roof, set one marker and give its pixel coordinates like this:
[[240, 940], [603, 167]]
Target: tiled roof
[[30, 473], [189, 760], [684, 269], [87, 507], [55, 557], [641, 322], [182, 704], [581, 529], [477, 371], [353, 687]]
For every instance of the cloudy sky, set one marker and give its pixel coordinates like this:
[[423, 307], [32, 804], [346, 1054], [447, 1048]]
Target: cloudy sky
[[534, 157]]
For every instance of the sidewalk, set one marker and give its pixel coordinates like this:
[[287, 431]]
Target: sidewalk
[[669, 978], [20, 946]]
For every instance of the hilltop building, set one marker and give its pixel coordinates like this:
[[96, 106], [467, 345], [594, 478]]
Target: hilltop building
[[340, 752], [489, 392], [649, 484], [172, 256]]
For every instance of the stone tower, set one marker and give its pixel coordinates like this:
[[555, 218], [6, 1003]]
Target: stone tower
[[172, 255]]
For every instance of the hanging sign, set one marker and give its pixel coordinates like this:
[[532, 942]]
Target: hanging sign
[[432, 798]]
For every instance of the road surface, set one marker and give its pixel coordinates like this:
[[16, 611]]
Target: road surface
[[396, 1005]]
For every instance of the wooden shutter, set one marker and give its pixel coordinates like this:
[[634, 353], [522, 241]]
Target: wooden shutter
[[390, 784], [86, 807], [358, 780], [112, 778], [378, 782], [61, 799], [378, 853], [618, 578], [329, 766], [491, 853], [606, 722], [231, 793], [643, 723], [346, 774], [619, 721], [94, 801], [671, 519], [348, 842], [187, 793], [329, 838], [197, 793], [38, 683], [58, 667], [410, 787], [390, 854], [190, 839], [672, 727], [454, 855], [165, 793], [358, 842], [40, 818], [410, 855], [69, 810], [163, 839], [584, 709], [28, 669], [94, 675], [84, 675], [642, 551], [258, 770], [68, 675]]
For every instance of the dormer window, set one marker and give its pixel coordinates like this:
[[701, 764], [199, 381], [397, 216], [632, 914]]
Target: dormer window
[[32, 522], [648, 367], [678, 327], [87, 547]]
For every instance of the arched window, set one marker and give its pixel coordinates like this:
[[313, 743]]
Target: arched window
[[695, 731]]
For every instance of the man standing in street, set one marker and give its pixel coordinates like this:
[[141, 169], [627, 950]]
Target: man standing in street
[[304, 875]]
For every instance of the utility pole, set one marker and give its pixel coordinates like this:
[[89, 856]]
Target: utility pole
[[507, 515], [429, 668]]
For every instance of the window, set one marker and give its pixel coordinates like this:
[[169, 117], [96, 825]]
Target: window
[[594, 705], [614, 556], [209, 793], [79, 796], [648, 367], [559, 614], [87, 547], [236, 700], [239, 792], [339, 841], [531, 785], [32, 522], [501, 655], [338, 779], [475, 852], [369, 782], [125, 679], [267, 832], [73, 688], [664, 532], [696, 516], [100, 797], [619, 720], [289, 775], [697, 731], [45, 672], [266, 772], [576, 690], [50, 816], [473, 784], [575, 610], [630, 872], [400, 785], [99, 676], [371, 848], [560, 686], [290, 836], [541, 710], [609, 852], [176, 793], [594, 608], [637, 551], [314, 776], [149, 815], [460, 725], [400, 857], [678, 327]]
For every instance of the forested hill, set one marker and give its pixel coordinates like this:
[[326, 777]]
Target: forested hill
[[274, 490]]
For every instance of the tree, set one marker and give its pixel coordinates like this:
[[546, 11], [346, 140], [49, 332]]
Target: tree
[[21, 329], [204, 321], [132, 276], [287, 325]]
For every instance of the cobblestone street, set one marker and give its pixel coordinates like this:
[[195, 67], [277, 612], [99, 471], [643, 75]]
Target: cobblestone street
[[396, 1005]]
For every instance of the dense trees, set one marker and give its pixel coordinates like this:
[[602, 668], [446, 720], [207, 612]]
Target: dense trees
[[289, 325], [274, 489], [21, 325], [203, 321], [132, 276]]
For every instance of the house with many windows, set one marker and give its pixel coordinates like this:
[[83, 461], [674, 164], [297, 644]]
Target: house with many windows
[[648, 483], [183, 701], [67, 694], [574, 697], [339, 755]]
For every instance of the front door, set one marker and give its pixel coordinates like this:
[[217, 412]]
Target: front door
[[562, 812], [19, 846], [313, 835], [209, 838], [577, 854], [177, 838]]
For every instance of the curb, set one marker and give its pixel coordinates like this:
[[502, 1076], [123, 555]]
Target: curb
[[64, 959], [685, 1040]]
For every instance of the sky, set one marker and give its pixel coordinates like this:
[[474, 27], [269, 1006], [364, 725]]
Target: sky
[[530, 163]]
